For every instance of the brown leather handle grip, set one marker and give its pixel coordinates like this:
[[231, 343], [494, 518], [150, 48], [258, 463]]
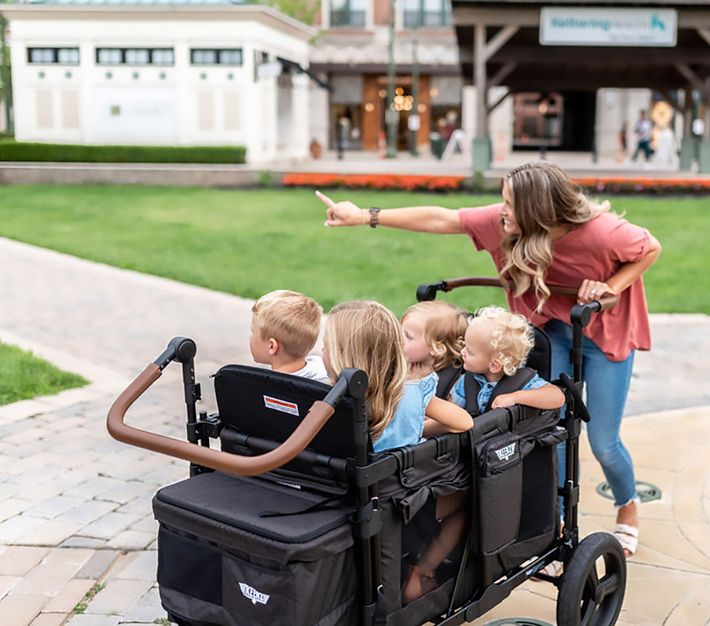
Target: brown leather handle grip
[[606, 302], [314, 420]]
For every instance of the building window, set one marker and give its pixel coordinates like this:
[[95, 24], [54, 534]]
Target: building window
[[53, 56], [427, 13], [135, 56], [347, 13], [216, 56], [162, 56]]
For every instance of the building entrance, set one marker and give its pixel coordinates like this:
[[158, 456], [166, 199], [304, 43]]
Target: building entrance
[[554, 121]]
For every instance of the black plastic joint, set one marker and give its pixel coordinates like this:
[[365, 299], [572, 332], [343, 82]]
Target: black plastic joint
[[193, 431], [210, 426], [368, 475], [572, 494], [443, 449], [367, 519]]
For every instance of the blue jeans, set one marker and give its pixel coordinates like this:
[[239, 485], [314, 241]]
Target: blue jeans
[[607, 385]]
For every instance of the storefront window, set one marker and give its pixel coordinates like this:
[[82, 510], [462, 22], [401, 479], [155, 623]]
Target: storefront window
[[347, 13], [537, 120], [427, 13]]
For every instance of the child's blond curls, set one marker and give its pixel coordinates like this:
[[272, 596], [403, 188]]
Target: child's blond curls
[[444, 328], [511, 337]]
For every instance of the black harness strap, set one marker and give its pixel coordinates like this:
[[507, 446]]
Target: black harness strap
[[507, 384], [447, 379]]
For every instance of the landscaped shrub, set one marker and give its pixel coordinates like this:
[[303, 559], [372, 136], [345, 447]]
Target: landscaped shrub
[[26, 151]]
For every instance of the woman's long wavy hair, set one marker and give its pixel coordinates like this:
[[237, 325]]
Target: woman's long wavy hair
[[366, 335], [542, 197]]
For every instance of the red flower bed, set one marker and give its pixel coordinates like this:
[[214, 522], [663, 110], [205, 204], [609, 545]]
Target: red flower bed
[[407, 182], [375, 181], [644, 185]]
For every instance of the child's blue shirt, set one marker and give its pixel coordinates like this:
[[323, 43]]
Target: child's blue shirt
[[458, 393], [407, 425]]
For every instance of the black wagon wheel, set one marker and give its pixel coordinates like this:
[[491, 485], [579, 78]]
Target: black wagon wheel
[[592, 590]]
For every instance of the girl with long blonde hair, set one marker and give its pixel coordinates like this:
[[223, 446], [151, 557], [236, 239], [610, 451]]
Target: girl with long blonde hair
[[368, 336], [547, 232]]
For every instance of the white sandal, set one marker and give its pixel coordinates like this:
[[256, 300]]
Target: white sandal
[[554, 569], [628, 537]]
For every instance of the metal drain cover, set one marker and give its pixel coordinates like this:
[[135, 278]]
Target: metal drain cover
[[647, 492], [518, 621]]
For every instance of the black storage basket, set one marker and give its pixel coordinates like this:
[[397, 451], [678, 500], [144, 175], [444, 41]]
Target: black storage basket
[[247, 552], [518, 509]]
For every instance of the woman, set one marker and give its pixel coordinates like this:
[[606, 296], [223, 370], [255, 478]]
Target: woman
[[547, 232]]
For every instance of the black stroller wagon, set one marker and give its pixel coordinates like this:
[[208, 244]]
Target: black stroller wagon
[[296, 521]]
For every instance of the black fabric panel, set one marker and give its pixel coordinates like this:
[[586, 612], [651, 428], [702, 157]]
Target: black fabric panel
[[189, 567], [238, 502], [241, 391], [540, 356], [500, 478]]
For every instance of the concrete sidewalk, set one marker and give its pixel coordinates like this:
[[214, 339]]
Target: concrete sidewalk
[[75, 512]]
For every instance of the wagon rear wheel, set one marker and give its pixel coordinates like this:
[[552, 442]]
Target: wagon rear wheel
[[592, 590]]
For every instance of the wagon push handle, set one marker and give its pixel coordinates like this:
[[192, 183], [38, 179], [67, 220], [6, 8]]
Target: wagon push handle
[[580, 314], [428, 291], [351, 381]]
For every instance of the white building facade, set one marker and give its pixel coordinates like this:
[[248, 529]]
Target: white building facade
[[184, 73]]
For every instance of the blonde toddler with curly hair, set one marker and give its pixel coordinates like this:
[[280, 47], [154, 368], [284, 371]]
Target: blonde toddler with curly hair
[[496, 344]]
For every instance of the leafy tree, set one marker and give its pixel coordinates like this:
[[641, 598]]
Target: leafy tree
[[5, 74]]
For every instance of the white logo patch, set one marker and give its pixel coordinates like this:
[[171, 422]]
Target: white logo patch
[[281, 405], [504, 454], [252, 594]]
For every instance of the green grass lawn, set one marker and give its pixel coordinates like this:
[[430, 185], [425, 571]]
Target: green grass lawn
[[24, 376], [247, 242]]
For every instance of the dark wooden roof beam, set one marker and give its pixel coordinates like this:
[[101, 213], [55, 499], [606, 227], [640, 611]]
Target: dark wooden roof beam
[[498, 40], [502, 74]]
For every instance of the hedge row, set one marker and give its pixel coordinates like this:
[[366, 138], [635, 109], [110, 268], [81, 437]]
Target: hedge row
[[21, 151]]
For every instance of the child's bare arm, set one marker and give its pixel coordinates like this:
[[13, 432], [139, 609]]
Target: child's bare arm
[[445, 417], [546, 397]]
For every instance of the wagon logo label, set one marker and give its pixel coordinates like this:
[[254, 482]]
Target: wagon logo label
[[504, 454], [281, 405], [252, 594]]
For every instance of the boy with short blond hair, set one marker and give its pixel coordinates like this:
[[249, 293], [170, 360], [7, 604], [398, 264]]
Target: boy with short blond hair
[[284, 329]]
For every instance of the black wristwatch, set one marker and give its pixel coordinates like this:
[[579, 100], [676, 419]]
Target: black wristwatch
[[374, 216]]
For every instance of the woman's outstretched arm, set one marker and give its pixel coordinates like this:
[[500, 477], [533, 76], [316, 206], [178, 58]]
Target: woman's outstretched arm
[[423, 219]]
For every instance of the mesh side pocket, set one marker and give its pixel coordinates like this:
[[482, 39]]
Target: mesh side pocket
[[500, 479]]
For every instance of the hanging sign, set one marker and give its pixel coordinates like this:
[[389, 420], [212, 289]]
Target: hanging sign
[[578, 26]]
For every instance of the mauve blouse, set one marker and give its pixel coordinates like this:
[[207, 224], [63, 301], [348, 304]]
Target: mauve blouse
[[594, 250]]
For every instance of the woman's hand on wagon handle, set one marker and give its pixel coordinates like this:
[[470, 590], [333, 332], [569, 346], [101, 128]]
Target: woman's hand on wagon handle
[[627, 274], [591, 290]]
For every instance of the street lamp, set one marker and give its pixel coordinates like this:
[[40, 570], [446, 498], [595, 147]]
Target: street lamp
[[391, 116]]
